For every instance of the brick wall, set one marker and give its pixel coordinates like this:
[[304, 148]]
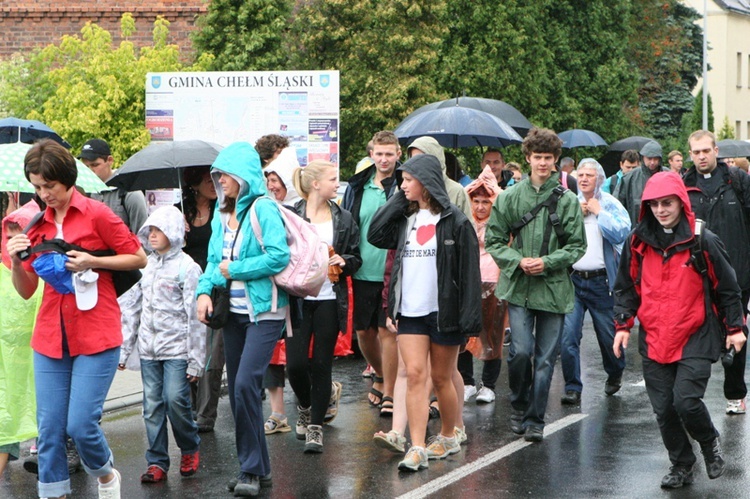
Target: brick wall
[[32, 23]]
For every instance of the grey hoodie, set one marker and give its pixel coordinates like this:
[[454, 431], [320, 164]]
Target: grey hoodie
[[456, 192], [160, 314]]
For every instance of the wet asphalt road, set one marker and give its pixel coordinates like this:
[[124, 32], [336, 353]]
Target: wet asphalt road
[[607, 447]]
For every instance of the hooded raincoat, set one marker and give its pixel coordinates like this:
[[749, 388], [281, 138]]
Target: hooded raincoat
[[17, 316], [159, 318], [552, 291], [459, 280], [253, 265], [487, 180], [630, 187], [284, 166], [661, 286]]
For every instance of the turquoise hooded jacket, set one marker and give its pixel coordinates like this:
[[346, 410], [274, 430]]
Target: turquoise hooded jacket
[[253, 265]]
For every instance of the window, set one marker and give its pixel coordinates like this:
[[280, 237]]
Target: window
[[737, 128], [739, 69], [747, 131]]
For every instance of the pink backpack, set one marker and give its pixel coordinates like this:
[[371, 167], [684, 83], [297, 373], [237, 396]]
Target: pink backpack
[[308, 260]]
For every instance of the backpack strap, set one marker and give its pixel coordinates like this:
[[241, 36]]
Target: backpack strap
[[255, 223], [554, 221]]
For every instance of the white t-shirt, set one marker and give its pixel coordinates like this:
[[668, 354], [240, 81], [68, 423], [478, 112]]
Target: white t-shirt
[[325, 231], [419, 279], [593, 259]]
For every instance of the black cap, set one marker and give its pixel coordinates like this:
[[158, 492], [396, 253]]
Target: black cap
[[95, 148]]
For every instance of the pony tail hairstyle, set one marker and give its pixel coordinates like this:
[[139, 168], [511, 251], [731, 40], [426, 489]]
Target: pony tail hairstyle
[[301, 182], [302, 178]]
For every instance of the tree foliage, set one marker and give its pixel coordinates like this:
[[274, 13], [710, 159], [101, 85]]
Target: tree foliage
[[85, 87], [727, 130]]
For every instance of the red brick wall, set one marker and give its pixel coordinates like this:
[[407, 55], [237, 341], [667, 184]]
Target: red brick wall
[[32, 23]]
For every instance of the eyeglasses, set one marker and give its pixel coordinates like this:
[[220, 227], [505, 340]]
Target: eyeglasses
[[667, 203]]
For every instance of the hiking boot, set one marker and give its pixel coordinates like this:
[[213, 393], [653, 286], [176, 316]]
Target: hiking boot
[[571, 397], [516, 421], [461, 435], [276, 425], [112, 489], [265, 482], [677, 477], [415, 460], [314, 439], [485, 395], [74, 460], [31, 463], [247, 485], [506, 339], [736, 406], [713, 457], [441, 446], [189, 463], [153, 474], [534, 434], [392, 441], [303, 419], [333, 405], [469, 391], [613, 385]]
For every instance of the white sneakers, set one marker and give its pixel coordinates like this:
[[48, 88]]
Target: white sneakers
[[469, 391], [112, 489], [736, 406], [485, 395]]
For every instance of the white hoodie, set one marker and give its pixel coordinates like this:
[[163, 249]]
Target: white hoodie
[[284, 166]]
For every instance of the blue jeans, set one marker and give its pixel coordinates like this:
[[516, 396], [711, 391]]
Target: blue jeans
[[531, 360], [248, 347], [166, 394], [70, 394], [592, 295]]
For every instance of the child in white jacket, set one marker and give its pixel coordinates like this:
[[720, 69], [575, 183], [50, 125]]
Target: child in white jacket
[[160, 317]]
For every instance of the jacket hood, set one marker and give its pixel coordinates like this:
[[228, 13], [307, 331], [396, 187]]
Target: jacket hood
[[170, 221], [663, 184], [22, 216], [284, 166], [487, 180], [651, 150], [241, 161], [426, 169], [429, 145], [601, 177]]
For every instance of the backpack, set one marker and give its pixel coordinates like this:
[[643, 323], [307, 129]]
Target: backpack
[[554, 221], [308, 256]]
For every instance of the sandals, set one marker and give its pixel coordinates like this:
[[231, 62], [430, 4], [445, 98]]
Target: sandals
[[392, 441], [376, 392], [434, 409], [386, 407]]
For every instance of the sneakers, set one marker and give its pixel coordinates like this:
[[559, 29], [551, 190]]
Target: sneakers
[[303, 419], [333, 405], [485, 395], [516, 421], [461, 435], [441, 446], [265, 481], [714, 459], [415, 460], [736, 406], [314, 439], [276, 425], [677, 477], [534, 434], [392, 441], [571, 397], [189, 463], [247, 485], [613, 385], [506, 339], [111, 490], [153, 474], [369, 372], [469, 391], [33, 450]]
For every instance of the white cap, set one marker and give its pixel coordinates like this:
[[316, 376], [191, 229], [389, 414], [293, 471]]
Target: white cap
[[86, 289]]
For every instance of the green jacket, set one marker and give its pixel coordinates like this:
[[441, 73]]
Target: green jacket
[[552, 290]]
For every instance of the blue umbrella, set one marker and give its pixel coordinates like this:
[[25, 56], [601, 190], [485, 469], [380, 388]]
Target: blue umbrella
[[581, 138], [457, 126], [501, 109], [27, 131]]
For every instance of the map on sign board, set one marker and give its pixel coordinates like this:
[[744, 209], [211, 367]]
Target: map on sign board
[[226, 107]]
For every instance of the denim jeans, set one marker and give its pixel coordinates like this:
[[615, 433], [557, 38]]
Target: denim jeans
[[533, 352], [166, 394], [70, 394], [592, 295], [248, 347]]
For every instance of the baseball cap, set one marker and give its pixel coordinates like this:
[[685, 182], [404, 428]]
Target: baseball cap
[[95, 148], [86, 289]]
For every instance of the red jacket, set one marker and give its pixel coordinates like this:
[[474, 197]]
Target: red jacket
[[662, 287], [93, 226]]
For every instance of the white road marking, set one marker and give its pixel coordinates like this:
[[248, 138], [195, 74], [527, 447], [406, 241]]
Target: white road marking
[[494, 456]]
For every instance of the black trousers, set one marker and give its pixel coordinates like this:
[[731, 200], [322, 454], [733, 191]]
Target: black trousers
[[676, 393], [734, 376], [490, 370]]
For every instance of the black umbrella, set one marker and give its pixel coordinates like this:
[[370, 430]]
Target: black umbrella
[[458, 127], [502, 110], [731, 148], [156, 165], [611, 160], [27, 131], [579, 137]]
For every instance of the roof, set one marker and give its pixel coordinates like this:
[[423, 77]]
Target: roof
[[739, 6]]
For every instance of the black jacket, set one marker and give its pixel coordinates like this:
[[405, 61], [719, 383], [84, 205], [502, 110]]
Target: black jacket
[[346, 245], [727, 215], [352, 200], [459, 279]]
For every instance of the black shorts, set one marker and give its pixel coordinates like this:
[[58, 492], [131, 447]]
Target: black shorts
[[274, 376], [368, 305], [427, 325]]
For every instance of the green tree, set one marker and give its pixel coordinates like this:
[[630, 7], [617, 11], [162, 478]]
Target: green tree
[[696, 117], [245, 35], [727, 130], [387, 52], [85, 87]]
